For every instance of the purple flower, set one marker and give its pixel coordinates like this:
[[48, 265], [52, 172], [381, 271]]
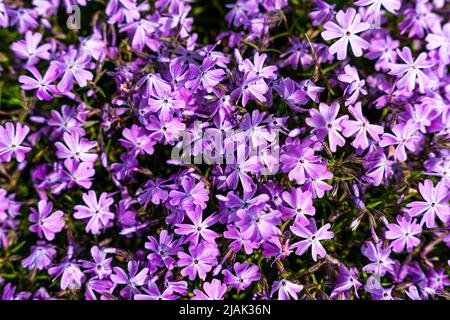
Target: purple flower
[[244, 275], [379, 256], [375, 5], [192, 195], [76, 148], [300, 162], [325, 123], [132, 281], [72, 66], [97, 211], [410, 70], [198, 228], [435, 204], [199, 261], [300, 205], [403, 233], [258, 224], [41, 256], [11, 138], [162, 250], [29, 48], [101, 266], [405, 137], [213, 290], [45, 222], [360, 128], [313, 238], [355, 85], [71, 275], [349, 25], [345, 280], [287, 290], [42, 84]]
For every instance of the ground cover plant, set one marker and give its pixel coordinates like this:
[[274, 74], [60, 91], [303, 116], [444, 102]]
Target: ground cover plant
[[250, 149]]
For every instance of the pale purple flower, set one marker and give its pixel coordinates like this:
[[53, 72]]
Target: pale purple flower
[[132, 281], [355, 85], [287, 290], [192, 194], [213, 290], [11, 140], [101, 266], [42, 84], [375, 6], [199, 261], [244, 274], [41, 256], [46, 223], [97, 211], [198, 228], [410, 70], [435, 204], [300, 205], [349, 25], [404, 137], [325, 123], [30, 50], [313, 238], [73, 66], [403, 233], [346, 280], [258, 224], [360, 127], [379, 257], [162, 250], [75, 147]]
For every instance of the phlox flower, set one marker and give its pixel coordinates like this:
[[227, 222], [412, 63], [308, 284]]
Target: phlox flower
[[46, 223]]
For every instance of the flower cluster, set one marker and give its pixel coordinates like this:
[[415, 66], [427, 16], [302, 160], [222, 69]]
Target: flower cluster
[[347, 105]]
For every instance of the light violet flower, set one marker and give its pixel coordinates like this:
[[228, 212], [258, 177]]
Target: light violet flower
[[300, 205], [198, 228], [73, 66], [46, 223], [30, 50], [97, 211], [132, 281], [375, 6], [11, 138], [325, 123], [287, 290], [435, 204], [379, 257], [410, 71], [349, 25], [355, 85], [313, 238], [359, 128], [76, 147], [403, 233], [42, 84], [405, 137], [244, 275], [213, 290]]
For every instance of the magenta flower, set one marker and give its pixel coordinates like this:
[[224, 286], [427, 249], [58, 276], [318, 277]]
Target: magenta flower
[[244, 275], [72, 66], [313, 238], [349, 25], [300, 162], [199, 261], [403, 233], [198, 228], [42, 84], [213, 290], [97, 211], [205, 75], [300, 205], [435, 204], [11, 139], [325, 123], [360, 128], [410, 71], [76, 148], [257, 69], [405, 137], [46, 223], [287, 290]]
